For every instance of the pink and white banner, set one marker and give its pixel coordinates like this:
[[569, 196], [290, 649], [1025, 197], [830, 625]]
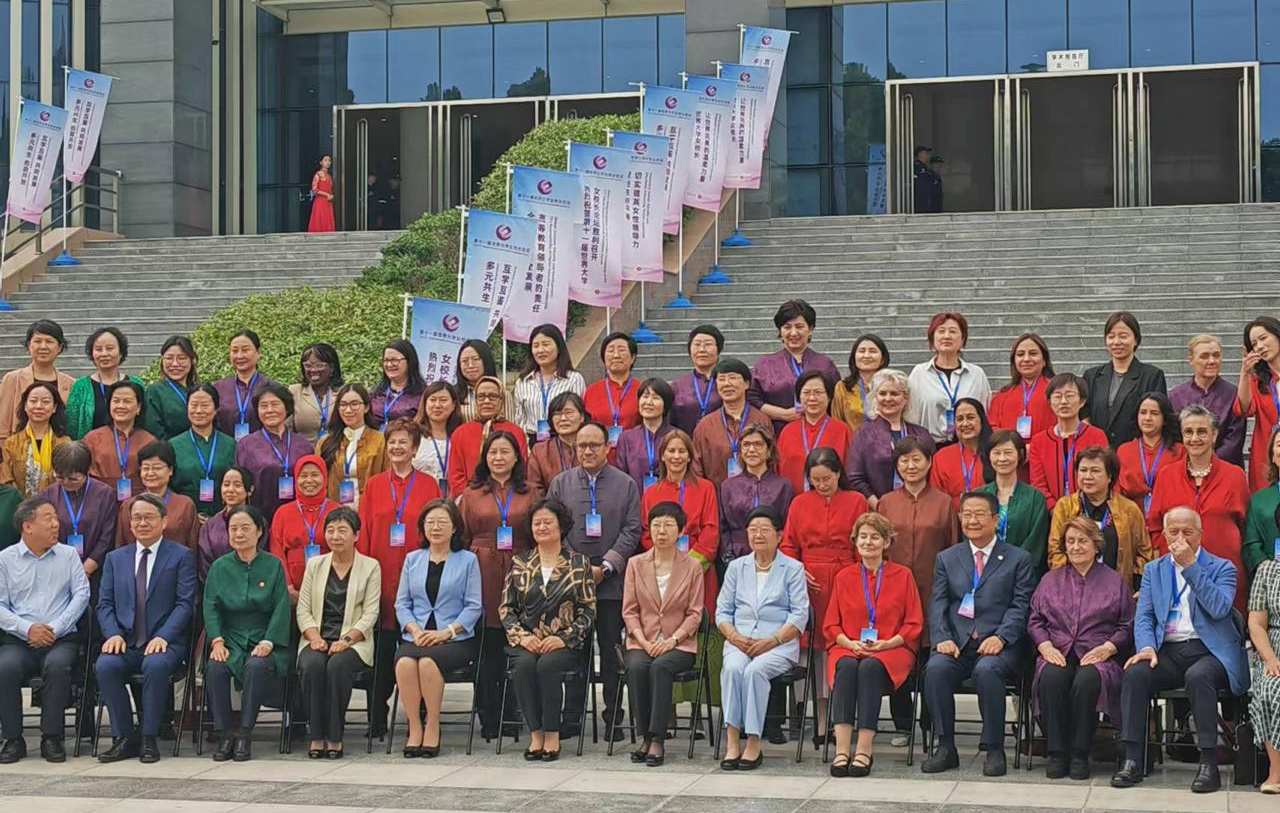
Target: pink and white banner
[[541, 294], [499, 250], [669, 112], [749, 125], [597, 279], [642, 248], [35, 154], [87, 94], [766, 47], [709, 157]]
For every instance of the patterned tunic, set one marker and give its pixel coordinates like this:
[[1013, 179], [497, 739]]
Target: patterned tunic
[[1264, 707], [565, 606]]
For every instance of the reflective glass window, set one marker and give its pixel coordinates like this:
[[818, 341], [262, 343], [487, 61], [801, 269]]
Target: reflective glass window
[[860, 126], [1269, 122], [1161, 32], [1269, 30], [670, 48], [61, 48], [466, 61], [808, 192], [1035, 26], [808, 126], [413, 65], [859, 190], [860, 41], [1224, 31], [366, 63], [975, 37], [809, 58], [629, 55], [577, 62], [520, 60], [31, 49], [1101, 26], [917, 39]]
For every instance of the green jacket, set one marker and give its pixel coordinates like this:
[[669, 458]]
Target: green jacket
[[189, 471], [247, 604], [1260, 531], [80, 406], [1028, 523], [165, 411]]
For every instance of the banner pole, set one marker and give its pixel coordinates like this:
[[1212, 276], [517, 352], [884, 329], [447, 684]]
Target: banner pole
[[608, 320], [643, 334], [65, 257], [504, 363], [462, 247], [507, 199], [404, 316]]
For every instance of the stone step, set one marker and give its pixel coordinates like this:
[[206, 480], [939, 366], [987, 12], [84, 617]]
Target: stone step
[[56, 294], [345, 238], [1266, 251], [1057, 264], [1203, 213], [1007, 237]]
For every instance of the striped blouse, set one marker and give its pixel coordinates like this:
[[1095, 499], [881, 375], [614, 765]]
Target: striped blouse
[[530, 406]]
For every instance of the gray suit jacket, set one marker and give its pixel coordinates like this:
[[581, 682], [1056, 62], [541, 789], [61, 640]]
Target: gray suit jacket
[[1002, 600]]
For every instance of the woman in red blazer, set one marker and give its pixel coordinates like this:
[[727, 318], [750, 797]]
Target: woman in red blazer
[[466, 440], [963, 466], [1022, 405], [873, 628], [1158, 446], [297, 529], [817, 535], [696, 496], [1052, 453], [814, 429]]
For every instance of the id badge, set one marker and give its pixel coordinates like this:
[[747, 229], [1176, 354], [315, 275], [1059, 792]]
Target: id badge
[[595, 526], [615, 433], [1276, 545], [284, 488], [311, 551], [77, 541], [868, 635], [1171, 623], [1024, 427], [544, 430], [242, 430], [347, 491], [397, 535], [505, 539], [735, 468], [443, 484], [206, 490], [652, 480], [682, 544], [950, 417], [124, 489], [966, 606]]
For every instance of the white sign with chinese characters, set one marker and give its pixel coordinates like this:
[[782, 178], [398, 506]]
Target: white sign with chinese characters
[[1067, 61]]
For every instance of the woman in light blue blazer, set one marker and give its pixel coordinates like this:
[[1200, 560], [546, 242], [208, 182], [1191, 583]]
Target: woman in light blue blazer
[[438, 606], [762, 609]]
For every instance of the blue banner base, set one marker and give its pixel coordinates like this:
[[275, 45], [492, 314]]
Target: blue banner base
[[6, 305], [681, 301], [643, 335], [736, 240], [64, 259], [715, 276]]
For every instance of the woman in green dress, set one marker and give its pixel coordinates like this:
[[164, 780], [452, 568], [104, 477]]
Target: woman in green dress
[[1024, 515], [247, 618], [166, 400], [203, 454], [89, 399], [1260, 530]]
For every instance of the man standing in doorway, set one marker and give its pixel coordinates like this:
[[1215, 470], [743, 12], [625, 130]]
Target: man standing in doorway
[[928, 184]]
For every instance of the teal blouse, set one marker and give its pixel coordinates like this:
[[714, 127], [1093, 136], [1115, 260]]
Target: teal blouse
[[219, 453], [165, 415], [1260, 531], [1027, 524]]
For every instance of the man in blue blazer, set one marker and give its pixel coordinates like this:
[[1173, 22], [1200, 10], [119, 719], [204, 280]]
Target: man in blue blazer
[[978, 620], [1185, 634], [147, 599]]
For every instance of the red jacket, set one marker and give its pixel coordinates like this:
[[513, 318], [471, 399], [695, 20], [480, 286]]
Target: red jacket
[[817, 535], [1007, 406], [378, 512], [898, 612], [791, 446], [948, 471], [1045, 455], [702, 508], [596, 401], [1262, 407], [1132, 482]]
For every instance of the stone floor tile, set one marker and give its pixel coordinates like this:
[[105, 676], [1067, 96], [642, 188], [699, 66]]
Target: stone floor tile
[[169, 806], [222, 791], [732, 783], [54, 804], [324, 794], [728, 804], [180, 768], [856, 804], [1159, 800], [1020, 794], [645, 781], [411, 772], [270, 770], [594, 802], [437, 798], [478, 776], [876, 789], [1251, 801]]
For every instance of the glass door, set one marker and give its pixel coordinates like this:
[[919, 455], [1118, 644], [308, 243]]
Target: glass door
[[477, 134]]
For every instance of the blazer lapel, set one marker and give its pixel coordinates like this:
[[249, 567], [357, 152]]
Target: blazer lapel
[[1128, 383], [647, 578], [355, 582], [681, 569], [162, 555], [994, 560]]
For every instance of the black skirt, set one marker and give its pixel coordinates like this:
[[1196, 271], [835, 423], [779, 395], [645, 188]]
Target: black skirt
[[449, 656]]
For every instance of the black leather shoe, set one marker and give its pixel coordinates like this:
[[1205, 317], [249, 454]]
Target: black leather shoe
[[243, 751], [533, 755], [150, 751], [1079, 769], [13, 750], [942, 759], [226, 748], [729, 764], [655, 760], [858, 768], [122, 748], [51, 749], [1055, 767], [776, 736], [995, 764], [1130, 774], [638, 756], [1207, 779], [336, 753], [551, 756], [751, 764]]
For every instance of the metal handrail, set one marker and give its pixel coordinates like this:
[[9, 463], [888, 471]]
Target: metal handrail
[[54, 210]]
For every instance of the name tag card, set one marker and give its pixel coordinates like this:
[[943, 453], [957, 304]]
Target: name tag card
[[505, 539], [124, 489], [311, 551], [206, 490], [347, 492], [544, 430], [966, 606], [868, 635], [76, 541], [397, 535], [1024, 427], [682, 544], [595, 525], [242, 431], [735, 468], [615, 432]]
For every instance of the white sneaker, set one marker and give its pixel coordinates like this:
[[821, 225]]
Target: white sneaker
[[899, 741]]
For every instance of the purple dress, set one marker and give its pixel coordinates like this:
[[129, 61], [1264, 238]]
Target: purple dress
[[232, 394], [386, 405], [1219, 399], [741, 495], [633, 452], [773, 379], [213, 543], [98, 509], [262, 456], [688, 408], [1078, 613], [870, 463]]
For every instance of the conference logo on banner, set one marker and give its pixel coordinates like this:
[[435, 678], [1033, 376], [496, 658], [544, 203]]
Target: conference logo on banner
[[438, 331], [767, 47], [709, 155], [499, 250], [748, 127], [87, 94], [35, 153], [604, 172], [541, 294], [669, 112], [646, 204]]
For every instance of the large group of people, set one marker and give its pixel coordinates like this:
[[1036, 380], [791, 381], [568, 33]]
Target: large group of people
[[890, 533]]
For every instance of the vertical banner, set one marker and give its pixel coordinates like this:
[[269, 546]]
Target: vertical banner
[[669, 112], [554, 200], [438, 331], [767, 47], [604, 172], [35, 153], [87, 94], [646, 204], [499, 249], [709, 155], [748, 127]]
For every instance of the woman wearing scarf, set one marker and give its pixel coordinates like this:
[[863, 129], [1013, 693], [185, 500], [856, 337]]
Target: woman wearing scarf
[[297, 531], [353, 448], [28, 452]]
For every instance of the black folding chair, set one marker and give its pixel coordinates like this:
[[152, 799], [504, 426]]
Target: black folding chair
[[581, 671], [698, 674], [283, 708], [365, 679], [913, 684], [1018, 727], [469, 673]]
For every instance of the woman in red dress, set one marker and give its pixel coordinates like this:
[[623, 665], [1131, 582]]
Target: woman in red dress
[[963, 466], [1144, 457], [815, 429], [1258, 393], [696, 496], [1022, 405], [322, 198]]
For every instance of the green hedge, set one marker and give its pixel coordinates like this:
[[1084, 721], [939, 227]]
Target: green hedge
[[359, 319]]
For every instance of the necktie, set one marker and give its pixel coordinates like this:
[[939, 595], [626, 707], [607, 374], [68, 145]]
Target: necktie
[[979, 559], [140, 601]]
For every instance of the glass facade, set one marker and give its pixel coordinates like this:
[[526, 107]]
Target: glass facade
[[835, 82], [301, 78]]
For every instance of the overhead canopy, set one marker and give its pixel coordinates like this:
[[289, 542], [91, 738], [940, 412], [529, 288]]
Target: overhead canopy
[[315, 15]]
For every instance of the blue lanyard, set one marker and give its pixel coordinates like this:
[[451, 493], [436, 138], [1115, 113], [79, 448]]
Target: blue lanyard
[[1149, 472], [616, 410], [1106, 520], [102, 390], [311, 526], [122, 456], [504, 505], [952, 395], [207, 465], [742, 424], [283, 457], [977, 577], [1002, 526], [178, 391], [546, 393], [591, 487], [862, 394], [1027, 392], [407, 491], [1068, 457], [650, 444], [1173, 577], [442, 460], [755, 501], [796, 367], [324, 411], [243, 405], [703, 396], [866, 592], [804, 434], [75, 514], [967, 471], [387, 405], [350, 453], [680, 498], [1275, 396], [894, 437]]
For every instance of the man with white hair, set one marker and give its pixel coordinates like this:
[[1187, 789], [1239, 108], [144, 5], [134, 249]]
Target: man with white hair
[[1185, 635]]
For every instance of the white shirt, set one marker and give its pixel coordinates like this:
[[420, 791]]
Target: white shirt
[[431, 455], [986, 552], [663, 581], [546, 573], [929, 401], [138, 548], [1182, 629]]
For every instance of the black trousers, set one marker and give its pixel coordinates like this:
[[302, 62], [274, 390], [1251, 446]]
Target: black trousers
[[55, 665], [1185, 663], [327, 681], [539, 682], [990, 673], [856, 693], [261, 686], [608, 642], [1068, 698], [649, 680]]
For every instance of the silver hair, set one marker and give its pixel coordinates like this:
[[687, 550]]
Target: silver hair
[[1183, 509], [889, 376], [1198, 411]]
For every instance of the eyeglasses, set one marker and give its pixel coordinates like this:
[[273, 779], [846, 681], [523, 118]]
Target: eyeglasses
[[978, 515], [156, 468], [350, 404], [437, 523], [488, 396], [589, 445]]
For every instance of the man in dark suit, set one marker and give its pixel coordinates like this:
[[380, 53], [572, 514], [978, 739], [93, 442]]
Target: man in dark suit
[[145, 608], [978, 618]]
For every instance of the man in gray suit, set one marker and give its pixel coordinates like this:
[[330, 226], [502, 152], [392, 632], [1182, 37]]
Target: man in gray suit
[[978, 619]]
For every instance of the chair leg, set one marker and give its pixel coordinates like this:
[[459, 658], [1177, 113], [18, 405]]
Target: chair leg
[[475, 712], [804, 711], [595, 708], [182, 713], [368, 716], [286, 716], [712, 732], [392, 719], [695, 714], [826, 741], [502, 713], [612, 725], [204, 702], [915, 721], [591, 691], [97, 728]]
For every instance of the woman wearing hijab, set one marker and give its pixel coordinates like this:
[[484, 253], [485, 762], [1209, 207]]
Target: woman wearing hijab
[[297, 530]]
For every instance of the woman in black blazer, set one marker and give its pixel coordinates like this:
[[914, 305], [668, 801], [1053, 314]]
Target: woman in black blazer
[[1116, 389]]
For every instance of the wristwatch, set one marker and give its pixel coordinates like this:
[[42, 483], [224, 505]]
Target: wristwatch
[[346, 639]]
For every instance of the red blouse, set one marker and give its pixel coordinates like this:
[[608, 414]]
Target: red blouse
[[596, 400], [898, 612], [948, 473], [702, 509], [800, 437], [1007, 406], [1045, 455], [290, 536], [464, 451], [817, 535], [1132, 482], [1262, 408], [379, 509]]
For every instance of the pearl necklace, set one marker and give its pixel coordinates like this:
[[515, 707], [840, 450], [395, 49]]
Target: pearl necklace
[[1199, 474]]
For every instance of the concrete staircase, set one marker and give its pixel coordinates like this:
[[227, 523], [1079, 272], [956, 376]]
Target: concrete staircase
[[1181, 270], [152, 289]]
